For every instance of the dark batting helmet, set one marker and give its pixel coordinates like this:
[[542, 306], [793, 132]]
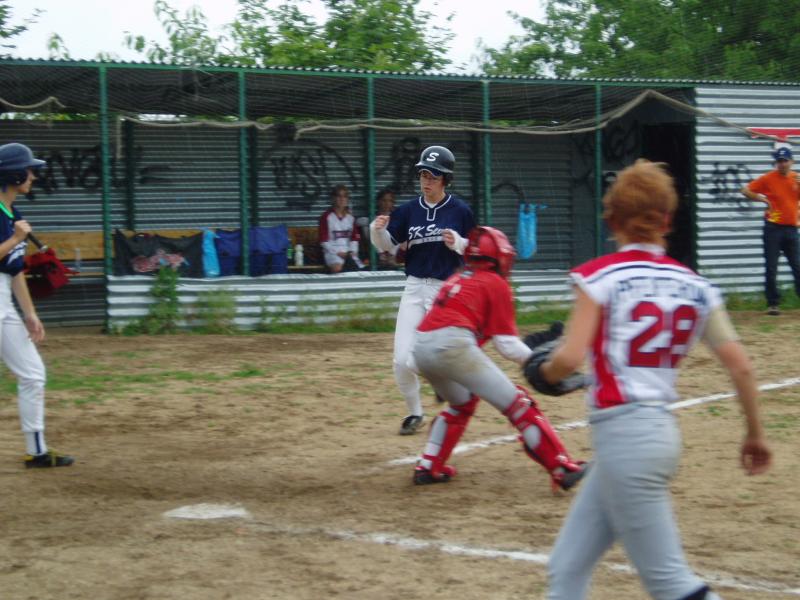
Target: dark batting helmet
[[489, 248], [15, 160], [438, 160]]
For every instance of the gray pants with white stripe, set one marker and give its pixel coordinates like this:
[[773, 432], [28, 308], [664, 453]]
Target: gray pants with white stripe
[[625, 497]]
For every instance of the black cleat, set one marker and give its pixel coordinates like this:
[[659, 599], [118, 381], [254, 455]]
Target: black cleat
[[423, 476], [411, 424], [564, 479], [47, 460]]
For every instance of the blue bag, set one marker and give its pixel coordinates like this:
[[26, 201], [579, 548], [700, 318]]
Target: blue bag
[[267, 250], [268, 247], [526, 229], [210, 258]]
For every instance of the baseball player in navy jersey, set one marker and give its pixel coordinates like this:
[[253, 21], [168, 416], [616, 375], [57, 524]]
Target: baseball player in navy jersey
[[434, 225], [473, 307], [18, 337], [636, 314]]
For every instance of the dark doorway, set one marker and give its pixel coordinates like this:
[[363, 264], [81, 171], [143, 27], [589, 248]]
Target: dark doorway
[[672, 143]]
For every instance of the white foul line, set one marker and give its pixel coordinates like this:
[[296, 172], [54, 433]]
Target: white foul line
[[507, 439], [539, 558]]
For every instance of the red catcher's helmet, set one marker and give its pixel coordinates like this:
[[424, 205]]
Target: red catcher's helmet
[[489, 248]]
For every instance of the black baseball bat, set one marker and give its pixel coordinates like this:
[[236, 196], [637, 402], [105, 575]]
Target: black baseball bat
[[37, 242]]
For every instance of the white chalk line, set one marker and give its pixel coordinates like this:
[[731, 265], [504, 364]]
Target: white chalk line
[[507, 439], [721, 580], [217, 511]]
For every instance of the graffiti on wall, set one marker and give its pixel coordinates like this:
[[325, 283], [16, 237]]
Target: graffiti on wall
[[400, 164], [80, 168], [726, 182], [621, 144], [307, 170]]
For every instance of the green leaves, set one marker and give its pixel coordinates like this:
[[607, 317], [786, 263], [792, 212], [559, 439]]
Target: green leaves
[[391, 35], [8, 31], [692, 39]]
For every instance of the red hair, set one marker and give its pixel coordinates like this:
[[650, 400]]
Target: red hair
[[641, 202]]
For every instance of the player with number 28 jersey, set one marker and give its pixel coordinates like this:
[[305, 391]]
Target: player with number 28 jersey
[[636, 315], [653, 309]]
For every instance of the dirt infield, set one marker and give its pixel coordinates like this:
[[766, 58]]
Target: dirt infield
[[300, 431]]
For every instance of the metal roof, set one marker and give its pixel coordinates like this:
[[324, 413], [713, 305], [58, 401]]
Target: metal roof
[[435, 75]]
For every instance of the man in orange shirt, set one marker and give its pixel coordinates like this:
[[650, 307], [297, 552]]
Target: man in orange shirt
[[780, 190]]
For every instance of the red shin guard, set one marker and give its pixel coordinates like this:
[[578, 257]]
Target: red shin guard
[[550, 453], [455, 420]]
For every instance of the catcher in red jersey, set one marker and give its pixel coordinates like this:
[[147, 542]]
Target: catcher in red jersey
[[471, 308], [637, 313]]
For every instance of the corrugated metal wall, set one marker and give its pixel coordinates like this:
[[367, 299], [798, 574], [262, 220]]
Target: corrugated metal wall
[[307, 298], [67, 196], [186, 178], [296, 175], [535, 170], [729, 246]]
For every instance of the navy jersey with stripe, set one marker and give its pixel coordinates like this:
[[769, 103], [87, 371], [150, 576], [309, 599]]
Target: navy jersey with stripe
[[13, 262], [421, 226]]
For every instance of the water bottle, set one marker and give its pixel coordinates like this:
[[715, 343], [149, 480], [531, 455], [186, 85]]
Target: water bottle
[[289, 251], [298, 255], [78, 262]]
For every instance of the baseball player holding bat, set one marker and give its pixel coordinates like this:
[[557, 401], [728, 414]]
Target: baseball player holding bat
[[473, 307], [434, 226], [18, 337], [637, 312]]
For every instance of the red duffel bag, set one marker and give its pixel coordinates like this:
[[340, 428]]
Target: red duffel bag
[[46, 274]]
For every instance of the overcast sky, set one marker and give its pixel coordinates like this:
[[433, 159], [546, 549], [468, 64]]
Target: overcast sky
[[91, 26]]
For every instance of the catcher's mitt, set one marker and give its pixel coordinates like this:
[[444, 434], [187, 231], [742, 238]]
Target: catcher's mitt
[[532, 340], [543, 343]]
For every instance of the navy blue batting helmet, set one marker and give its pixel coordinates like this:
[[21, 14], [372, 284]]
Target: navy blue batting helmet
[[15, 160], [438, 160]]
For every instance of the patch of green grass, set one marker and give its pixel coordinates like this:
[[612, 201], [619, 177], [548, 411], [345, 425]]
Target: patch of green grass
[[99, 384], [717, 410], [781, 422], [87, 400], [543, 314], [129, 354], [248, 371]]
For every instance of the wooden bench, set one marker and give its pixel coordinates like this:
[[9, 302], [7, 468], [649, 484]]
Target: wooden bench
[[72, 246], [308, 237]]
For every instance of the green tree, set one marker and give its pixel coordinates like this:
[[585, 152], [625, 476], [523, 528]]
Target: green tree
[[190, 42], [9, 31], [711, 39], [390, 35], [281, 36]]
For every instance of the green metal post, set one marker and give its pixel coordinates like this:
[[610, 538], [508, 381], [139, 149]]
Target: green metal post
[[598, 172], [244, 197], [487, 158], [130, 174], [105, 171], [373, 255], [252, 141]]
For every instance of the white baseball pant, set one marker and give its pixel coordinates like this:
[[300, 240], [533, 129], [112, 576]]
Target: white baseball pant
[[626, 497], [22, 358], [417, 299]]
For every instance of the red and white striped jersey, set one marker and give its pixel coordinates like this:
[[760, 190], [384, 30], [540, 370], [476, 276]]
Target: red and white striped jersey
[[338, 235], [653, 310]]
